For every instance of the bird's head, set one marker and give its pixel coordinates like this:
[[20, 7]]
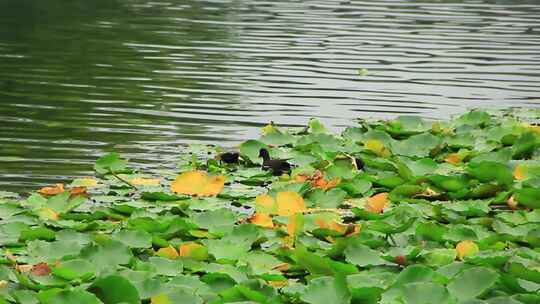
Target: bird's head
[[264, 153]]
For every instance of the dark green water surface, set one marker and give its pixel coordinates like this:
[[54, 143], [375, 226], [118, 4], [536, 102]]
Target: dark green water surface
[[79, 77]]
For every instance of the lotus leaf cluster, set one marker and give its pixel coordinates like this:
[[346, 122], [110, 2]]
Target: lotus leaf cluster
[[402, 211]]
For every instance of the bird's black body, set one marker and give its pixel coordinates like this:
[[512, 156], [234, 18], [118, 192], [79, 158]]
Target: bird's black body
[[229, 157], [277, 166], [359, 163]]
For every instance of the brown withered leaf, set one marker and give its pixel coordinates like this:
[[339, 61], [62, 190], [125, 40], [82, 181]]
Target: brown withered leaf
[[41, 269], [52, 190]]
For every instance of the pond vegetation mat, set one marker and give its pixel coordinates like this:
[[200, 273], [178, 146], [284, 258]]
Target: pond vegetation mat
[[402, 211]]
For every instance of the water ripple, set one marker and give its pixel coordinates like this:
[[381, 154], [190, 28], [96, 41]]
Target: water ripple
[[143, 77]]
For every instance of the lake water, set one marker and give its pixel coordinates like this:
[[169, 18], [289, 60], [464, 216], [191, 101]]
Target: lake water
[[78, 78]]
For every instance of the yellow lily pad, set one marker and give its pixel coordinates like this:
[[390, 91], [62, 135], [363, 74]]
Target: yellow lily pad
[[198, 183]]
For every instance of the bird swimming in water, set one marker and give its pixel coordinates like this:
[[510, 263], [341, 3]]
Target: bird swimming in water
[[229, 157], [278, 166]]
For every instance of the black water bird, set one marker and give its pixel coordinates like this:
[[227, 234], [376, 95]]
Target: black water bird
[[229, 157], [278, 166], [359, 163]]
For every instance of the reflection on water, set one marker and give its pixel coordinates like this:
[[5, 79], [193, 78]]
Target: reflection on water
[[78, 78]]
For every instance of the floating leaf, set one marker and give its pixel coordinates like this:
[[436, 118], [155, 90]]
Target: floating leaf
[[69, 297], [524, 269], [115, 289], [421, 167], [425, 293], [269, 128], [77, 191], [107, 254], [317, 180], [217, 222], [474, 118], [198, 183], [265, 204], [528, 197], [262, 219], [227, 249], [162, 196], [466, 248], [450, 183], [53, 190], [431, 231], [295, 224], [533, 237], [134, 238], [356, 186], [325, 290], [377, 203], [141, 181], [88, 182], [362, 255], [525, 145], [251, 149], [161, 299], [420, 145], [316, 126], [40, 233], [179, 295], [275, 137], [289, 203], [286, 203], [41, 269], [74, 269], [408, 125], [377, 147], [47, 214], [518, 172], [472, 282], [487, 171], [453, 158], [440, 256], [110, 163], [193, 250], [331, 223], [167, 252]]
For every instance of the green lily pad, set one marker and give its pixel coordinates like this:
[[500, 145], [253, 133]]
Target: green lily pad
[[472, 282], [325, 290], [40, 233], [528, 197], [69, 297], [74, 269], [474, 118], [490, 171], [363, 256], [115, 289], [180, 295], [134, 238], [110, 163], [408, 125], [425, 293], [419, 145], [251, 148], [109, 254]]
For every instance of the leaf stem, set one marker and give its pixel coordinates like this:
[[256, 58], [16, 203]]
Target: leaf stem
[[314, 210], [123, 180]]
